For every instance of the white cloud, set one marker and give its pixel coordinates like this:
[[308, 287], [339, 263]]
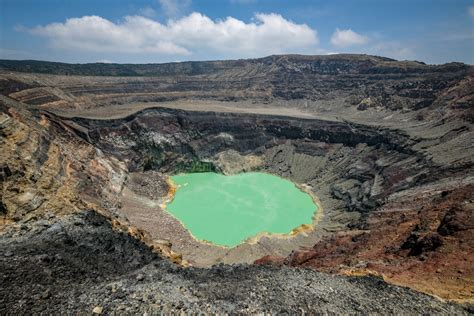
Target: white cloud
[[344, 38], [95, 34], [147, 11], [470, 11], [192, 34], [173, 8]]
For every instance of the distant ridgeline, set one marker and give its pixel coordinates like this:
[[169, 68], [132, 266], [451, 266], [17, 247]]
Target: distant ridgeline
[[106, 69], [324, 64]]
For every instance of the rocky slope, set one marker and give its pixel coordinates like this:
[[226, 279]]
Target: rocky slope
[[385, 146], [79, 264]]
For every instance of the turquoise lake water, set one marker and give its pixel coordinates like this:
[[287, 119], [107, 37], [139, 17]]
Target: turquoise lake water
[[226, 210]]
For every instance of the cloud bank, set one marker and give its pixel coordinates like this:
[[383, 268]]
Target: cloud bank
[[189, 35], [345, 38]]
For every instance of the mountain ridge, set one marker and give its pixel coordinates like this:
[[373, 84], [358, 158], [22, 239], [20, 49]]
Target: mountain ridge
[[207, 67]]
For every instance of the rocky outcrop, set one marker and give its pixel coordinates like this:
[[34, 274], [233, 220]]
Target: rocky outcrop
[[49, 172], [457, 218]]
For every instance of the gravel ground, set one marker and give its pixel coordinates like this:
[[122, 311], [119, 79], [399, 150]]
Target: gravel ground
[[80, 265]]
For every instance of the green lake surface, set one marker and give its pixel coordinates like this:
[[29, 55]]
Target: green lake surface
[[226, 210]]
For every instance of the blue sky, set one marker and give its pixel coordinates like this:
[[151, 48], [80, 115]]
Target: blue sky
[[142, 31]]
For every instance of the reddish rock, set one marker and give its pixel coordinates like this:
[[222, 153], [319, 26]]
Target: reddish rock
[[424, 246], [456, 219], [270, 259]]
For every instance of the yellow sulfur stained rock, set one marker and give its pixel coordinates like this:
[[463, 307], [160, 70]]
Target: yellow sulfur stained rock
[[98, 310]]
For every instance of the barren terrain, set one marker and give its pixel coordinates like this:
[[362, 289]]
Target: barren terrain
[[385, 146]]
